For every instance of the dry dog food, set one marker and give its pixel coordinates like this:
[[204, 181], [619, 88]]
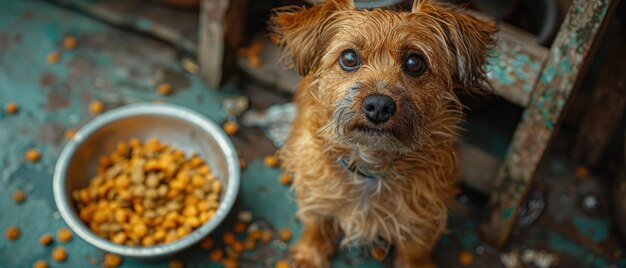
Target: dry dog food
[[45, 240], [32, 155], [53, 57], [111, 260], [164, 89], [13, 232], [148, 193], [69, 42], [96, 107], [59, 254], [64, 235], [11, 108], [40, 264], [18, 196]]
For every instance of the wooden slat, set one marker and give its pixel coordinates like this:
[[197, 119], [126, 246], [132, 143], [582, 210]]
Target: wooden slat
[[565, 66], [211, 40], [515, 65]]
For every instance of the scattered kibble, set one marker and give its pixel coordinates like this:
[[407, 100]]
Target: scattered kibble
[[13, 232], [40, 264], [18, 196], [266, 236], [53, 57], [249, 244], [206, 243], [285, 234], [164, 89], [466, 258], [285, 179], [582, 172], [378, 254], [96, 107], [45, 239], [70, 133], [216, 255], [59, 254], [271, 161], [230, 127], [69, 42], [64, 235], [230, 263], [111, 260], [32, 155], [281, 264], [148, 193], [176, 264], [11, 108]]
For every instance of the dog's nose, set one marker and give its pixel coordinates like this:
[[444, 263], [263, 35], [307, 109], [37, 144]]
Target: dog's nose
[[378, 108]]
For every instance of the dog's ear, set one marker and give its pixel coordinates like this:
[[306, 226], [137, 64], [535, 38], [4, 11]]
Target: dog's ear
[[468, 39], [300, 32]]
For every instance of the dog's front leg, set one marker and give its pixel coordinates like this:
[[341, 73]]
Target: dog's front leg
[[316, 243], [413, 255]]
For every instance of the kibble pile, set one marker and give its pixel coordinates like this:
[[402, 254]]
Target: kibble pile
[[148, 193]]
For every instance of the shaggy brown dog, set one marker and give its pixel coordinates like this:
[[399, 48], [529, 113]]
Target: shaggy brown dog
[[372, 148]]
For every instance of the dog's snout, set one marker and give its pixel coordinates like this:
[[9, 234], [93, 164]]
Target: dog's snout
[[378, 108]]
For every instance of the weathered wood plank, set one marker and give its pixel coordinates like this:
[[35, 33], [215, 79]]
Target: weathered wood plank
[[568, 58], [515, 65], [606, 109], [221, 22]]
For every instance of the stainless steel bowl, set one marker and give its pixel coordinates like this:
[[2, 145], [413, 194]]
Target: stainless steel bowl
[[175, 125]]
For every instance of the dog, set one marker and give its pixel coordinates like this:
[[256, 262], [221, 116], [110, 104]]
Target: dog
[[372, 147]]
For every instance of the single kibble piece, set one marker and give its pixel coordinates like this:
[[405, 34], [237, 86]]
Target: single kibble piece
[[271, 161], [13, 232], [378, 254], [70, 133], [32, 155], [111, 260], [216, 255], [266, 236], [249, 244], [582, 172], [254, 61], [11, 108], [285, 234], [176, 264], [19, 196], [45, 240], [466, 258], [164, 89], [206, 243], [239, 227], [40, 264], [242, 164], [59, 254], [231, 128], [64, 235], [238, 247], [69, 42], [281, 264], [96, 107], [230, 263], [53, 57], [285, 179], [229, 238]]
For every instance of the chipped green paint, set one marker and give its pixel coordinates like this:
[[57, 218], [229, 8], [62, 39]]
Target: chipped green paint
[[508, 212], [560, 243], [595, 229]]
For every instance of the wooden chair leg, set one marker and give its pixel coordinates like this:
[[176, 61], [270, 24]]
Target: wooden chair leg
[[221, 25], [567, 60]]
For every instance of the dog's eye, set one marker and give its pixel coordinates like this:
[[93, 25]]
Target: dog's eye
[[415, 64], [349, 60]]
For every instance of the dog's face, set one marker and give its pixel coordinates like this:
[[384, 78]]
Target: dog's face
[[382, 76]]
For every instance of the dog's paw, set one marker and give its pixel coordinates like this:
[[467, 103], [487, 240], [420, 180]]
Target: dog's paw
[[307, 256]]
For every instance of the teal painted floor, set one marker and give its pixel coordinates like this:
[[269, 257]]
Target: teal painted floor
[[120, 68]]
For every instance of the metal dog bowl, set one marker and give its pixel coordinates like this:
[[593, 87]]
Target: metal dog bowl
[[174, 125]]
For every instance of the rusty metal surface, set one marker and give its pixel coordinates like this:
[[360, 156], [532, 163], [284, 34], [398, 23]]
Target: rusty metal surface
[[566, 63]]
